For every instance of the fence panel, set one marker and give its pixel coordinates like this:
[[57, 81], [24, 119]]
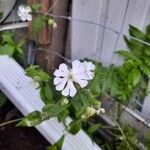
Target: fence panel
[[99, 42]]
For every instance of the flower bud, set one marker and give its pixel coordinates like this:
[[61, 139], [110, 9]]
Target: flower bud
[[55, 25], [51, 21], [97, 104], [65, 101], [90, 111]]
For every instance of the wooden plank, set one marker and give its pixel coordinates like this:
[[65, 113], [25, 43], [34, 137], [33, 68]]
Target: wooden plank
[[21, 91], [136, 15], [83, 35], [116, 10]]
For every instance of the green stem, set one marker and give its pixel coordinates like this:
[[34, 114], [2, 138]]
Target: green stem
[[123, 135], [10, 122]]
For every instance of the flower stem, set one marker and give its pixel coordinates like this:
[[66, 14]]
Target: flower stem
[[10, 122], [122, 132]]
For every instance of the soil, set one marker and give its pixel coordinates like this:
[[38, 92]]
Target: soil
[[18, 138]]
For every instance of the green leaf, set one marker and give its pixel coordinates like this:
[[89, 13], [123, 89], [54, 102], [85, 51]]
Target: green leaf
[[145, 69], [75, 126], [6, 50], [2, 99], [58, 145], [38, 23], [77, 102], [37, 74], [136, 77], [7, 38], [94, 85], [62, 116], [126, 54], [36, 6], [93, 128], [135, 32], [33, 119], [1, 15], [46, 93], [53, 110]]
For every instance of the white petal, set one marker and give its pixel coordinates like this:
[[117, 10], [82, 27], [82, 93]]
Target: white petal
[[72, 88], [57, 80], [23, 18], [82, 83], [58, 73], [75, 66], [90, 68], [28, 9], [63, 67], [29, 17], [89, 65], [21, 8], [65, 92], [61, 86]]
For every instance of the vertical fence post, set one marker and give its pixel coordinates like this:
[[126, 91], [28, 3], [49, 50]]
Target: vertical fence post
[[49, 39]]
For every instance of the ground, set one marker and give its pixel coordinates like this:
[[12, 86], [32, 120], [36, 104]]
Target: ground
[[18, 138]]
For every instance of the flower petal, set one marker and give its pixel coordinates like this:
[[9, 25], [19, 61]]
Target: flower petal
[[63, 67], [62, 84], [57, 80], [65, 92], [28, 9], [29, 17], [72, 88], [82, 83], [58, 73]]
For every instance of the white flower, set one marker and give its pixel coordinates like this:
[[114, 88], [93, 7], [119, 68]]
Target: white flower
[[66, 77], [90, 68], [24, 13]]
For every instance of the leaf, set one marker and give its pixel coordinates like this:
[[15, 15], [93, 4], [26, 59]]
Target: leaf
[[37, 74], [36, 6], [53, 110], [126, 54], [136, 77], [94, 85], [62, 116], [33, 119], [7, 38], [58, 145], [2, 99], [145, 69], [75, 126], [46, 93], [93, 128], [38, 23], [77, 102], [135, 32], [6, 50], [1, 15]]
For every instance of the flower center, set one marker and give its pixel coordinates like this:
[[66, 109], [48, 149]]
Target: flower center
[[70, 77]]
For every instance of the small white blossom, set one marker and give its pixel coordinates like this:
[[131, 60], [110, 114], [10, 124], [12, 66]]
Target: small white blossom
[[66, 77], [24, 13]]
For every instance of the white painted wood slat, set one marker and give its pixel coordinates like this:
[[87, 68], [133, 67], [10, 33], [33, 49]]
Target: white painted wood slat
[[20, 90]]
